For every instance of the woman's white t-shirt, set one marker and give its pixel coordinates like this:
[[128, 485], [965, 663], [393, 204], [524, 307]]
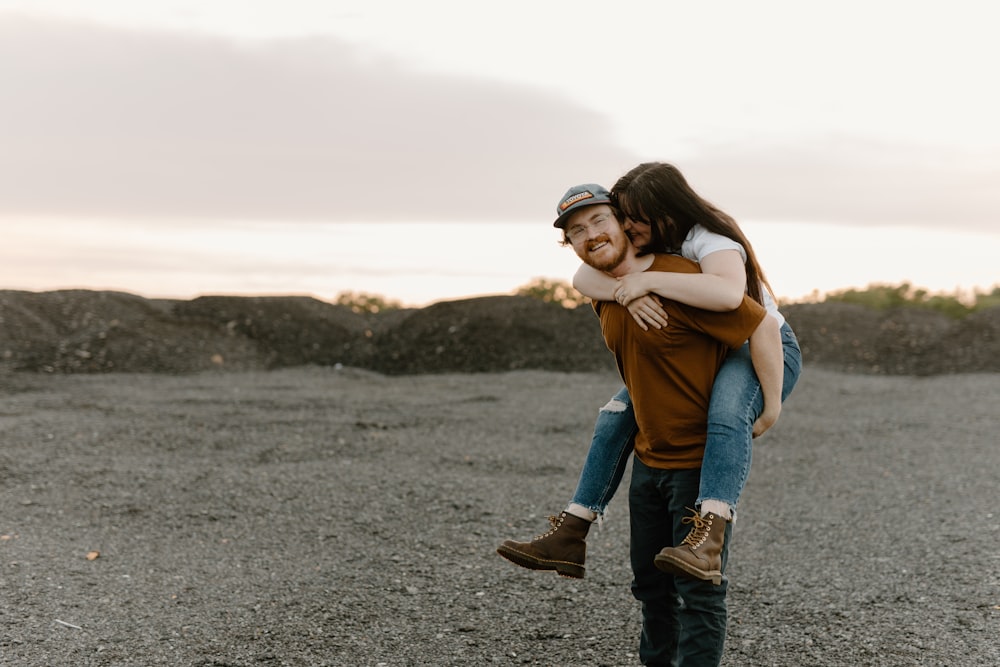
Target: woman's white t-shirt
[[701, 243]]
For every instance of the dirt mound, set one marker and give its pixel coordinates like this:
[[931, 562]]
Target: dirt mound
[[70, 331], [82, 331], [971, 345], [286, 331], [901, 341], [498, 333]]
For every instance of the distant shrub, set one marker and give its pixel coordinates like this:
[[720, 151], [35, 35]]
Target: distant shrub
[[876, 296], [986, 300], [883, 297], [553, 291], [361, 302]]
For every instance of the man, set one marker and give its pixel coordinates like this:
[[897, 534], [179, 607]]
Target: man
[[669, 374]]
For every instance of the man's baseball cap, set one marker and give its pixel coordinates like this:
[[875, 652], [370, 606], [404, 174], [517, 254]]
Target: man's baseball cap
[[577, 197]]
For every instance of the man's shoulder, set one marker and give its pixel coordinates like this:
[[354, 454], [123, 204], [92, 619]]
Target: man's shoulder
[[675, 263]]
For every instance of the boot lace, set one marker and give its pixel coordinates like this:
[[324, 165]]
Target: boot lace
[[554, 523], [699, 530]]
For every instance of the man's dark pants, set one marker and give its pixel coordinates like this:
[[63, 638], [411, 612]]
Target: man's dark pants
[[683, 620]]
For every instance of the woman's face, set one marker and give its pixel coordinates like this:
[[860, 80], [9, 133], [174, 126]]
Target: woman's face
[[639, 232]]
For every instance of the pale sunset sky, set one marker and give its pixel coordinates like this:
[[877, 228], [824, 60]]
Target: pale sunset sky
[[417, 150]]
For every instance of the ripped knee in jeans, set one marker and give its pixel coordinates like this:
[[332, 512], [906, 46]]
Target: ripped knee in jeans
[[614, 405]]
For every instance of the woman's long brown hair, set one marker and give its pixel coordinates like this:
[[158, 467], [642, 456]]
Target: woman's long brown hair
[[658, 194]]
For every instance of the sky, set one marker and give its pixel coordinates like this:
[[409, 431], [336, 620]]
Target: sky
[[417, 150]]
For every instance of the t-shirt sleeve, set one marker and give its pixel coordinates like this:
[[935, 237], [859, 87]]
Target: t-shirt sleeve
[[701, 243]]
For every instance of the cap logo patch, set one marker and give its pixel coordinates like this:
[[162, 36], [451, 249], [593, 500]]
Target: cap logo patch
[[575, 199]]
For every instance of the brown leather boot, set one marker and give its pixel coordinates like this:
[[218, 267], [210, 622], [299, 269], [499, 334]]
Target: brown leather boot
[[562, 549], [699, 555]]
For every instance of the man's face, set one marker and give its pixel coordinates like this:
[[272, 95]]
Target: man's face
[[597, 237]]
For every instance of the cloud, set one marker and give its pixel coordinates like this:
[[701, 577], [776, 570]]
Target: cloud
[[850, 181], [102, 122], [116, 123]]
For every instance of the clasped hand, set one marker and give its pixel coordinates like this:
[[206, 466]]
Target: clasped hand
[[644, 307]]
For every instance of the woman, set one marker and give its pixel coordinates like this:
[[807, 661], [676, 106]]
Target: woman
[[663, 214]]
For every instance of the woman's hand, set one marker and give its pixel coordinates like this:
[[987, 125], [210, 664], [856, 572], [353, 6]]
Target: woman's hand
[[647, 309], [766, 420], [630, 287]]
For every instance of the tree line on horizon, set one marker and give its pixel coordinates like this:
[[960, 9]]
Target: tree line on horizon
[[877, 296]]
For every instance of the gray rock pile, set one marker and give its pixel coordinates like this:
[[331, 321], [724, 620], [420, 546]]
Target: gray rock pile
[[82, 331]]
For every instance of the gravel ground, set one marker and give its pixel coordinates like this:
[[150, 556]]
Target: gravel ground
[[323, 516]]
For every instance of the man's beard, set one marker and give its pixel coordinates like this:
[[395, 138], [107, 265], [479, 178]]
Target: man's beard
[[606, 262]]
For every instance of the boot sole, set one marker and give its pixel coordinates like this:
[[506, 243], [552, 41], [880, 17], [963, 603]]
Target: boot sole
[[673, 566], [562, 568]]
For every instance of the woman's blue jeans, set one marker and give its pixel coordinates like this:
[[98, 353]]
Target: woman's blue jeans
[[735, 404]]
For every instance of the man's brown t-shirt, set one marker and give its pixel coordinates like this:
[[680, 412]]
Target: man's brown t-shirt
[[669, 372]]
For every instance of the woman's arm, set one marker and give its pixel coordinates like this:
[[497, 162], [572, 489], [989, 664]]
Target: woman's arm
[[599, 286], [720, 286], [768, 357], [595, 284]]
